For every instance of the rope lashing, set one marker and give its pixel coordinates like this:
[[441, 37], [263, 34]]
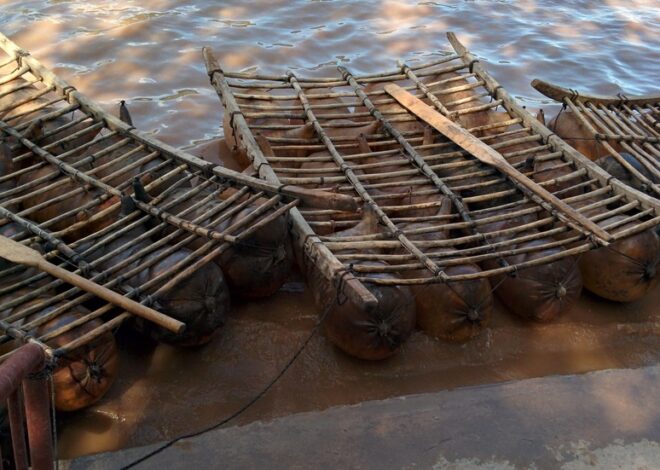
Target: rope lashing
[[341, 297], [214, 71], [258, 169]]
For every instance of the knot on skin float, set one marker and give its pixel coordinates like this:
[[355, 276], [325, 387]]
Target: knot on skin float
[[95, 371], [209, 302], [473, 315], [561, 291], [384, 329], [649, 271]]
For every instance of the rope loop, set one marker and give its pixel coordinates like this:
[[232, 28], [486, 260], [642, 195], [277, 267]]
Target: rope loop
[[556, 120], [546, 139], [134, 292], [609, 180], [341, 297], [453, 115], [149, 299], [624, 99], [344, 72], [214, 71], [84, 267], [514, 271], [593, 240], [231, 124], [67, 90], [260, 165], [231, 117], [207, 170], [46, 372], [308, 247], [471, 65], [20, 53]]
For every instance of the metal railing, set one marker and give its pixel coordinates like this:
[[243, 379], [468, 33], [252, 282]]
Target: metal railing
[[24, 388]]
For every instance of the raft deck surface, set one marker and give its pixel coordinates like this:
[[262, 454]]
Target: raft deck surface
[[58, 139], [629, 122], [398, 159]]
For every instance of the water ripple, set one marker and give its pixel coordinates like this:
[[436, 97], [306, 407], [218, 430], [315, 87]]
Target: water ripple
[[116, 50]]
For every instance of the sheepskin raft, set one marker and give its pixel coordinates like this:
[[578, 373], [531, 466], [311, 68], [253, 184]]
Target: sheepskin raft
[[433, 213], [623, 129], [96, 196]]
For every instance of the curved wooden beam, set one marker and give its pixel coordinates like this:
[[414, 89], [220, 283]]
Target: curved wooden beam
[[558, 93], [310, 197], [593, 170]]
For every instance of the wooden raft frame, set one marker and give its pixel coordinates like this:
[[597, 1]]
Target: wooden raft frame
[[631, 122], [427, 165], [35, 98]]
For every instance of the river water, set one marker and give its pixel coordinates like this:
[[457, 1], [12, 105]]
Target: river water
[[148, 53]]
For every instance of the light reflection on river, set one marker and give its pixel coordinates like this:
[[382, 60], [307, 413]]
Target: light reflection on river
[[149, 54]]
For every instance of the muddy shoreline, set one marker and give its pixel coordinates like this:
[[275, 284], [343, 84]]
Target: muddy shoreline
[[163, 392]]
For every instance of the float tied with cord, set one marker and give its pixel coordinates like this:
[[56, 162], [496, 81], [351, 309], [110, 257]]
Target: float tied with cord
[[411, 198]]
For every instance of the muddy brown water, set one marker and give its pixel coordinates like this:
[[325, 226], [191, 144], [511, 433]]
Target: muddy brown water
[[149, 54]]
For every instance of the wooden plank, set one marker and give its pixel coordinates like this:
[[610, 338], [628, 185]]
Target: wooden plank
[[19, 253], [498, 91], [487, 155]]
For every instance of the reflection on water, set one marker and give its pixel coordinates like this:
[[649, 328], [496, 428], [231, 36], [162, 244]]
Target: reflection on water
[[149, 54], [146, 52]]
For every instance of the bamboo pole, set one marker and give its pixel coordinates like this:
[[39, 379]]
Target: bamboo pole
[[580, 112], [322, 81], [17, 253], [558, 93], [305, 238], [167, 276], [489, 156], [311, 197], [355, 182], [594, 171], [255, 214]]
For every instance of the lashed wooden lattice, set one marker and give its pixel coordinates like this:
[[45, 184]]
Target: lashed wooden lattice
[[620, 124], [75, 179], [346, 134]]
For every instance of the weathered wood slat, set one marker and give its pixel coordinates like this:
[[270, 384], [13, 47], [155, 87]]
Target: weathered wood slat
[[491, 157]]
